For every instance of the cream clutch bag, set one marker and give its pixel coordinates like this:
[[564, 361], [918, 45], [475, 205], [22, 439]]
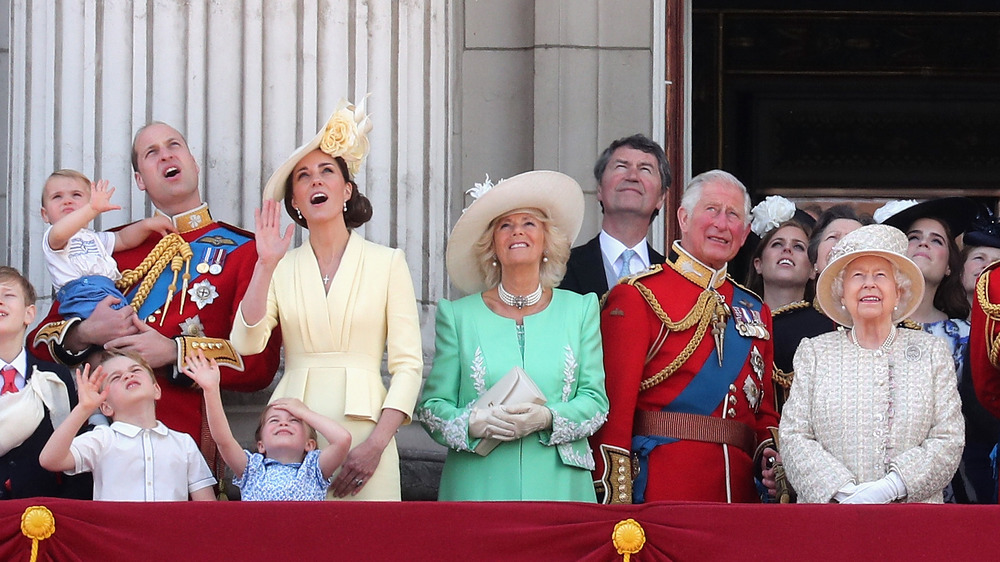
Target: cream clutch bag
[[514, 388]]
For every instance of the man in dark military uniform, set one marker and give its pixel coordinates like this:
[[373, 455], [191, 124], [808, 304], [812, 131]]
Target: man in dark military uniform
[[183, 291], [688, 358]]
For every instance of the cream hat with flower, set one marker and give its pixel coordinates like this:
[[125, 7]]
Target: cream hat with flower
[[345, 135], [555, 194], [879, 240]]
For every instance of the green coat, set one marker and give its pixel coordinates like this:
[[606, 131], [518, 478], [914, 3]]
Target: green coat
[[562, 354]]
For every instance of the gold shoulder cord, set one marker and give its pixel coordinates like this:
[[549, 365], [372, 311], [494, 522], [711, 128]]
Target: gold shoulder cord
[[152, 266], [992, 312], [700, 313]]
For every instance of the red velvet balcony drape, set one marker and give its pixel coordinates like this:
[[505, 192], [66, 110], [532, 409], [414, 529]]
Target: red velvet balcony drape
[[235, 531]]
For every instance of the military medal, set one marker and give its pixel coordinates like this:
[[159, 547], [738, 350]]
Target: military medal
[[218, 259], [202, 266], [203, 293]]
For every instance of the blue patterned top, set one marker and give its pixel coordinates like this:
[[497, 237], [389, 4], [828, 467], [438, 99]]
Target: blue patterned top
[[269, 480], [956, 332]]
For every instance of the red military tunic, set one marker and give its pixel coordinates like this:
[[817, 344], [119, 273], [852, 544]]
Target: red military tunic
[[209, 308], [654, 363], [984, 340]]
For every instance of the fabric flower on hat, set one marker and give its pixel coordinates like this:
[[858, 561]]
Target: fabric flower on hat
[[891, 208], [346, 135], [479, 189], [769, 213]]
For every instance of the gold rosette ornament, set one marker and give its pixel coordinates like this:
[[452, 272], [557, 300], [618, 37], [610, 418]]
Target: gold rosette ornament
[[346, 134], [38, 524], [628, 538]]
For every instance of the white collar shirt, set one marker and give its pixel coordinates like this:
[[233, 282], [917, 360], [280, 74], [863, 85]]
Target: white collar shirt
[[20, 364], [612, 250], [130, 463]]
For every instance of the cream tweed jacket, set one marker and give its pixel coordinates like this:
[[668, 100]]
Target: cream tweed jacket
[[843, 404]]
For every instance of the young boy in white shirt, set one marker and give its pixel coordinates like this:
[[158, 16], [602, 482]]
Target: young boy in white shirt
[[125, 389]]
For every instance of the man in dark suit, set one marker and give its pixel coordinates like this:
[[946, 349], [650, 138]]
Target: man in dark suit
[[632, 176], [35, 396]]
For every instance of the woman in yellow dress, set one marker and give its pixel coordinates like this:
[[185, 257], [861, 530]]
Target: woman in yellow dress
[[340, 302]]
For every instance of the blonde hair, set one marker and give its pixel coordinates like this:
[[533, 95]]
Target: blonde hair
[[556, 249], [66, 173]]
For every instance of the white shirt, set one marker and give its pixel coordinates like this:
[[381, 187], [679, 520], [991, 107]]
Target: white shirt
[[20, 363], [612, 251], [171, 464], [87, 252]]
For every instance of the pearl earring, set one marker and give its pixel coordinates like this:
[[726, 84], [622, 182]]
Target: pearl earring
[[545, 259], [299, 213], [345, 206], [494, 262]]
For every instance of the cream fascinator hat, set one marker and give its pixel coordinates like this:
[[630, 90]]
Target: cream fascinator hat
[[557, 195], [879, 240], [345, 135]]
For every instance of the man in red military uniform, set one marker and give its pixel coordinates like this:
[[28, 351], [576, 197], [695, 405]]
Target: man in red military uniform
[[688, 362], [984, 339], [183, 289]]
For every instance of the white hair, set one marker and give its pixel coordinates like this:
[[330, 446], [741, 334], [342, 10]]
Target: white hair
[[694, 188]]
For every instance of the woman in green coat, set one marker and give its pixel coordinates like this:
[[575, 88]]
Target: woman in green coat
[[509, 251]]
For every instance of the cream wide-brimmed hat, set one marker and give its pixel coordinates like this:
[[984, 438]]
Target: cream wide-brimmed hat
[[879, 240], [345, 135], [557, 195]]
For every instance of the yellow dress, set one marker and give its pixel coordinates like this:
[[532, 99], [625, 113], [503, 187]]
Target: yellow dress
[[333, 353]]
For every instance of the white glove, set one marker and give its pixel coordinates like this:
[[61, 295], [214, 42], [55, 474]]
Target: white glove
[[527, 418], [483, 422], [884, 490]]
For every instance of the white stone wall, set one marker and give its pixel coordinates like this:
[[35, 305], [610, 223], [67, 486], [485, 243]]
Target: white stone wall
[[246, 82], [458, 89]]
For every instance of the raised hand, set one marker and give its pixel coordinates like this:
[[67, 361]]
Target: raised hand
[[271, 244], [293, 406], [89, 393], [202, 370], [100, 196]]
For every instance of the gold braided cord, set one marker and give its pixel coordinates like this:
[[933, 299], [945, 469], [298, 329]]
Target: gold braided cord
[[151, 267], [992, 312], [700, 314], [782, 378]]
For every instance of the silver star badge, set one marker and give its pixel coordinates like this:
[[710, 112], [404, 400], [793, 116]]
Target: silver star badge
[[203, 293], [193, 327]]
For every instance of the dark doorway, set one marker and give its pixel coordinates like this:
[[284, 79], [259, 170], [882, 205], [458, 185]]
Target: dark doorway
[[849, 100]]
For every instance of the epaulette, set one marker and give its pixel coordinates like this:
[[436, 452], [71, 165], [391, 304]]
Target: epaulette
[[236, 229], [910, 325], [741, 286], [797, 305], [631, 279]]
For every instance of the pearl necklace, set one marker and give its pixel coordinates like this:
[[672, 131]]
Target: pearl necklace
[[519, 301], [882, 349]]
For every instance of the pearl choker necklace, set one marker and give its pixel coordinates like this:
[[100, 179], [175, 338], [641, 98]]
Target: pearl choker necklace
[[882, 349], [519, 301]]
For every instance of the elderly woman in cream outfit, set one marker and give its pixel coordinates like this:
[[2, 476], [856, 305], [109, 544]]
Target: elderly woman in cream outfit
[[874, 415], [340, 301]]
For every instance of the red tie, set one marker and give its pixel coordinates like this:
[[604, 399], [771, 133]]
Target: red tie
[[8, 372]]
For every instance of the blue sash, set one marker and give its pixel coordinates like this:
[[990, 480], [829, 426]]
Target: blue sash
[[702, 395], [220, 237]]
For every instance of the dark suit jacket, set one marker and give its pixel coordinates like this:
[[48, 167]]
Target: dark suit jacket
[[20, 474], [585, 269]]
